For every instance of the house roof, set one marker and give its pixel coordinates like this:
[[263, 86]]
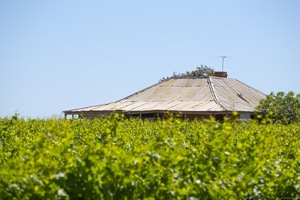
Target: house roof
[[211, 94]]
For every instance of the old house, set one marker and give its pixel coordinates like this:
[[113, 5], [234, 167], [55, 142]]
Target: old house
[[216, 96]]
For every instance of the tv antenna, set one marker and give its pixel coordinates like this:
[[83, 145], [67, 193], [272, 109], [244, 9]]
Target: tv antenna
[[223, 57]]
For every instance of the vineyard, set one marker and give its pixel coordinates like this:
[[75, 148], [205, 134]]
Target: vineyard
[[117, 158]]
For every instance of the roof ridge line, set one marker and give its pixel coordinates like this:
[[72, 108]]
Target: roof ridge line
[[212, 89]]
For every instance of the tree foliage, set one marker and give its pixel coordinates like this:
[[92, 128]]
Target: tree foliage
[[199, 72], [281, 107]]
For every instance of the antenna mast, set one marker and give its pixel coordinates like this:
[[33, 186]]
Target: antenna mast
[[223, 57]]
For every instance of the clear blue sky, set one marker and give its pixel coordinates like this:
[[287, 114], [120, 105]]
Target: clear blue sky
[[63, 54]]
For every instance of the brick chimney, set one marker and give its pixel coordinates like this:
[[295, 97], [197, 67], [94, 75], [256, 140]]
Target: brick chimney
[[221, 74]]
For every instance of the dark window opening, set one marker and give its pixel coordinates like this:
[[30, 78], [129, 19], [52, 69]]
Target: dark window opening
[[220, 118], [148, 115]]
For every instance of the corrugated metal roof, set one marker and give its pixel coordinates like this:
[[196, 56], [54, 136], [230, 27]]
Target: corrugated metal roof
[[191, 95]]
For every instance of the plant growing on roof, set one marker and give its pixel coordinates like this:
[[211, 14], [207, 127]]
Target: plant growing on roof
[[200, 72]]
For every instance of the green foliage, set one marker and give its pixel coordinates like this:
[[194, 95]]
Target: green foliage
[[116, 158], [281, 107], [200, 72]]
